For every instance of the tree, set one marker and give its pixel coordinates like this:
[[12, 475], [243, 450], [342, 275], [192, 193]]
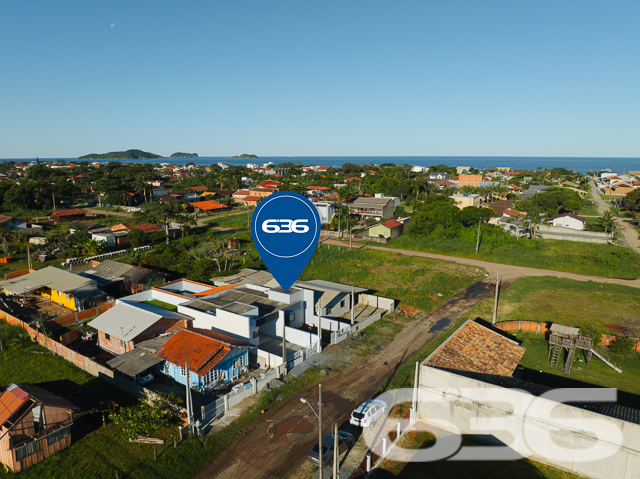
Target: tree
[[607, 221], [534, 215], [218, 251], [160, 213]]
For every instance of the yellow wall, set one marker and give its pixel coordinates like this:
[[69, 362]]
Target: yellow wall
[[61, 298]]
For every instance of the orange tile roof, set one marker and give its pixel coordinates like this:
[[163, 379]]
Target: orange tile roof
[[477, 349], [10, 402], [208, 205], [251, 198], [242, 192], [319, 188], [144, 227], [391, 223], [197, 188], [69, 212], [202, 352], [269, 184], [511, 212], [216, 289]]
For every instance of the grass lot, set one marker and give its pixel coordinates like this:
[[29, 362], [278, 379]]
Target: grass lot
[[589, 210], [410, 280], [595, 308], [231, 220], [162, 304], [571, 256]]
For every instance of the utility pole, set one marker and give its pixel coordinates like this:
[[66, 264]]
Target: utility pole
[[353, 305], [319, 324], [320, 449], [350, 237], [284, 351], [495, 304], [478, 240], [248, 220], [336, 472], [54, 200], [188, 398], [29, 256]]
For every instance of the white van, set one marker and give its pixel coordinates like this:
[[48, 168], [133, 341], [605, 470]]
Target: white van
[[368, 413]]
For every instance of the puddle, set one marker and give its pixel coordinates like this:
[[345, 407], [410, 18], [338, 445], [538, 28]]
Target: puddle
[[440, 324], [293, 425]]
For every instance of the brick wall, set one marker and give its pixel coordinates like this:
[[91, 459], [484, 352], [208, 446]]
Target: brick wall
[[82, 315], [536, 327]]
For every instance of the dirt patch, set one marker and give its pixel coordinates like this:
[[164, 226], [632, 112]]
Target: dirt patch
[[613, 327], [409, 311], [293, 425]]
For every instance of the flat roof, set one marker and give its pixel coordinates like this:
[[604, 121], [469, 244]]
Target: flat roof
[[48, 277]]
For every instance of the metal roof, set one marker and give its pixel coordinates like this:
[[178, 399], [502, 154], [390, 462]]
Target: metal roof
[[361, 201], [115, 271], [128, 320], [136, 361], [49, 277], [329, 286]]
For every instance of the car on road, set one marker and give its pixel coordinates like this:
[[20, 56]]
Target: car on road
[[145, 377], [345, 441], [368, 413]]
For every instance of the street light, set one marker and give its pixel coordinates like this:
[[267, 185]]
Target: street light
[[319, 416]]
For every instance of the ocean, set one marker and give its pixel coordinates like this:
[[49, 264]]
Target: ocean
[[582, 165]]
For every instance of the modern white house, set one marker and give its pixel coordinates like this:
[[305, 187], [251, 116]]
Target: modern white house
[[326, 210], [568, 220]]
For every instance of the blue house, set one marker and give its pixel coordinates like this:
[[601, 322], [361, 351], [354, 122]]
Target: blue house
[[210, 356]]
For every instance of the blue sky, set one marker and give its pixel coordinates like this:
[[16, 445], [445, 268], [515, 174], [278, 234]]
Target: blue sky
[[351, 77]]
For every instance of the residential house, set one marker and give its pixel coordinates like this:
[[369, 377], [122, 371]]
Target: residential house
[[469, 180], [34, 424], [326, 210], [387, 229], [249, 201], [419, 169], [462, 169], [263, 192], [121, 278], [439, 176], [269, 184], [240, 194], [208, 207], [128, 323], [463, 200], [209, 356], [11, 223], [499, 207], [568, 220], [379, 208], [65, 216], [619, 189], [67, 289], [224, 193]]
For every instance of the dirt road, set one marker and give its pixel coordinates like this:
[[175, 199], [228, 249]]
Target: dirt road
[[506, 271], [267, 451], [629, 232]]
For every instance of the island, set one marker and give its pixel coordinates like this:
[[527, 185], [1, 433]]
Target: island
[[121, 155], [245, 157], [179, 154]]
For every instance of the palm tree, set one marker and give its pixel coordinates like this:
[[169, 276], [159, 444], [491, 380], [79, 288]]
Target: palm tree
[[607, 221], [534, 216]]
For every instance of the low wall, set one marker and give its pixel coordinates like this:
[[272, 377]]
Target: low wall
[[377, 302], [299, 337], [82, 315], [538, 327], [594, 445]]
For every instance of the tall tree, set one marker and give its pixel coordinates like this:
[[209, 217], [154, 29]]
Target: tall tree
[[160, 213]]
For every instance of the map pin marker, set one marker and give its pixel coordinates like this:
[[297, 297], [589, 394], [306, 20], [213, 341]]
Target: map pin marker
[[285, 228]]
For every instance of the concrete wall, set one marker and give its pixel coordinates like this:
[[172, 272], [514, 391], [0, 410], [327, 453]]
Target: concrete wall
[[595, 446], [377, 301], [299, 337]]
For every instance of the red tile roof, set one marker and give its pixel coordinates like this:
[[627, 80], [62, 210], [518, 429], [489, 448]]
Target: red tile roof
[[144, 227], [208, 205], [201, 351], [351, 179], [391, 224], [4, 219], [269, 184], [477, 349], [251, 198], [511, 212], [444, 183], [319, 188], [242, 192], [197, 188]]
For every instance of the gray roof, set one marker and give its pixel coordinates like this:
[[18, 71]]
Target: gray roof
[[361, 201], [140, 358], [245, 276], [128, 320], [49, 277], [329, 286], [115, 271]]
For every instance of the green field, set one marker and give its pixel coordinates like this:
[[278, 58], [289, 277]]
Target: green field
[[231, 220], [410, 280], [570, 256]]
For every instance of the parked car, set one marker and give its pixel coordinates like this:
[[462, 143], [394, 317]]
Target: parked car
[[145, 377], [345, 441], [368, 413]]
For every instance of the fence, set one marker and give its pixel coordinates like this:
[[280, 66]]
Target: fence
[[339, 336], [218, 408], [299, 356], [377, 302], [367, 322], [82, 315]]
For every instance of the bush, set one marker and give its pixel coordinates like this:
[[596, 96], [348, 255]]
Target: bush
[[622, 346]]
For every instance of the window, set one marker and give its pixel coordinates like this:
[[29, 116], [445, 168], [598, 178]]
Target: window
[[107, 337], [238, 363], [183, 371], [255, 334], [39, 422], [343, 303], [57, 436], [27, 450], [211, 377], [327, 311], [122, 344]]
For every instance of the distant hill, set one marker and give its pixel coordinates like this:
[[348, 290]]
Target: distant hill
[[184, 155], [121, 155], [244, 157]]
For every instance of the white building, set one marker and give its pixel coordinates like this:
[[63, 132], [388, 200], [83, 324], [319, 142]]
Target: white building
[[326, 210], [568, 220]]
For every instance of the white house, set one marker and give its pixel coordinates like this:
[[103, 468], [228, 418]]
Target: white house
[[568, 220], [326, 210]]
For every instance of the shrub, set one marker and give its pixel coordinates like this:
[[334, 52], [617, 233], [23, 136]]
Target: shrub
[[622, 346]]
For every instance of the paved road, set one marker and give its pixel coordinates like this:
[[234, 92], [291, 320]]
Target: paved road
[[266, 451], [629, 232], [506, 271]]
